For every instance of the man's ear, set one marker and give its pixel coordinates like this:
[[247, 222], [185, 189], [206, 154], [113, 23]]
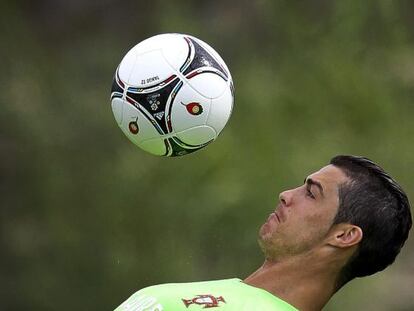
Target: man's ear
[[345, 235]]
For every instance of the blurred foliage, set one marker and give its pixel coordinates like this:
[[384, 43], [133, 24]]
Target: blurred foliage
[[87, 218]]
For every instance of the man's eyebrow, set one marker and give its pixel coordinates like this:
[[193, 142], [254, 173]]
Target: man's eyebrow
[[309, 181]]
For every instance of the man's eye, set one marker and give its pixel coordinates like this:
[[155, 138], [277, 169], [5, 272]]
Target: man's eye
[[309, 194]]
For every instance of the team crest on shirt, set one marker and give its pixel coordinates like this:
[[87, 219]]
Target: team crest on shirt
[[208, 301]]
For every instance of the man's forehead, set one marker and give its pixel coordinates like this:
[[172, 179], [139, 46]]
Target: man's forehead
[[329, 174]]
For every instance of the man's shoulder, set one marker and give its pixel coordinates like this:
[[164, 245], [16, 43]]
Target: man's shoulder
[[229, 295]]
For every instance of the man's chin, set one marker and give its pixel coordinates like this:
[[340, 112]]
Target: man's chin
[[265, 243], [265, 231]]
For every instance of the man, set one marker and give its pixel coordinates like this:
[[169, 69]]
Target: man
[[349, 219]]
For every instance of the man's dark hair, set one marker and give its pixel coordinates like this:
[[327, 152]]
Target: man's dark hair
[[373, 201]]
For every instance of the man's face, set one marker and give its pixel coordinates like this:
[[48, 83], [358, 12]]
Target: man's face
[[303, 216]]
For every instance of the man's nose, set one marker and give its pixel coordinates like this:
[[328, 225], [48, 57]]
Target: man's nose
[[285, 197]]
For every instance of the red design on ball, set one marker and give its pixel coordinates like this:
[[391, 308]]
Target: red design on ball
[[133, 127], [194, 108]]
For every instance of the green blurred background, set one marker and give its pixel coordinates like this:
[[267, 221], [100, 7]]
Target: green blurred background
[[87, 218]]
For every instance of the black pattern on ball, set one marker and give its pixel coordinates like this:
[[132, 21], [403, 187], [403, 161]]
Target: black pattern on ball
[[202, 58], [155, 102]]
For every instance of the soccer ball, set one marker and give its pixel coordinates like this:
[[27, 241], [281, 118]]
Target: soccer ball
[[172, 94]]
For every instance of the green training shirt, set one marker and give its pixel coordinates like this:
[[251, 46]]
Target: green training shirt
[[225, 295]]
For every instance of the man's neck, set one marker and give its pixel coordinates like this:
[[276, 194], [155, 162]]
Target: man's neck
[[302, 281]]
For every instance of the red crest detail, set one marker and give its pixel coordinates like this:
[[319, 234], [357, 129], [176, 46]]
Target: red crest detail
[[193, 108], [209, 301], [133, 127]]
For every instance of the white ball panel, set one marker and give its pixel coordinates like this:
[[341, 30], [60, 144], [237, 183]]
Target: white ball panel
[[153, 43], [145, 128], [197, 135], [208, 84], [127, 65], [117, 108], [155, 146], [175, 50], [181, 117], [153, 60], [220, 111], [150, 68]]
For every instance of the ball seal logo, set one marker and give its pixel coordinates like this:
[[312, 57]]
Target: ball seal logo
[[193, 108], [154, 101], [208, 301], [133, 126]]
